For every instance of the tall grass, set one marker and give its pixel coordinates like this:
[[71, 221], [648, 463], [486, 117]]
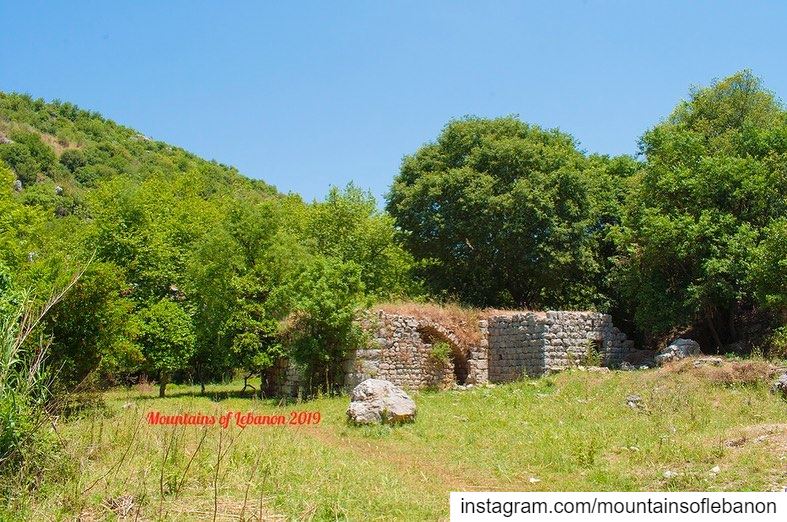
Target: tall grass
[[24, 390]]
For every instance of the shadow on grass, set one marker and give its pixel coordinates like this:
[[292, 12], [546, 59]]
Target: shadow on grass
[[219, 396]]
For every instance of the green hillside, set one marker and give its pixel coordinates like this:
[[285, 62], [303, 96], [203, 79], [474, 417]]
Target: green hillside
[[179, 252]]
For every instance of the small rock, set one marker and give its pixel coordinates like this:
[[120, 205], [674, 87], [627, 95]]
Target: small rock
[[669, 474], [634, 401], [534, 480], [376, 401], [627, 366], [18, 185], [122, 505], [598, 369], [58, 190], [715, 469]]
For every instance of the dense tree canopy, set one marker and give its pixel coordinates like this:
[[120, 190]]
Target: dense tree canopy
[[702, 230], [503, 213], [180, 247]]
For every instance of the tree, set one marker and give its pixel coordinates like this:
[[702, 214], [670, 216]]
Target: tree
[[323, 301], [769, 267], [167, 338], [713, 183], [92, 328], [251, 328], [348, 226], [497, 213]]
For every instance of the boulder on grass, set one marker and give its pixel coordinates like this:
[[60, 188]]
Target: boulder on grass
[[780, 385], [376, 401], [678, 349]]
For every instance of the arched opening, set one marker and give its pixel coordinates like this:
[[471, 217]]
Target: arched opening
[[461, 367], [458, 357]]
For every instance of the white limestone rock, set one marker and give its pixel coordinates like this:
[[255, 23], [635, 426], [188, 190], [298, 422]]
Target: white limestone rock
[[376, 401]]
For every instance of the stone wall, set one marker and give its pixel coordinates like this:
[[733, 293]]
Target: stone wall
[[401, 352], [533, 343], [512, 345], [283, 380]]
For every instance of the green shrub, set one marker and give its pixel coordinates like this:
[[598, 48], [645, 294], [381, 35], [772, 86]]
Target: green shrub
[[592, 356], [778, 343], [167, 339], [441, 352]]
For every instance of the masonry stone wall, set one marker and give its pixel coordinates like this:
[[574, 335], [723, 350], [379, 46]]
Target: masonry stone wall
[[512, 345], [533, 343], [401, 352], [284, 379]]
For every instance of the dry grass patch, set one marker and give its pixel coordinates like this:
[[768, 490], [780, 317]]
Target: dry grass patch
[[461, 321], [726, 372], [58, 145]]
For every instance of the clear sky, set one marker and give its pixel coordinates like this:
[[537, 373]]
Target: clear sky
[[310, 94]]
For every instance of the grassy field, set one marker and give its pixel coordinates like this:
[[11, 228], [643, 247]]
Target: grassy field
[[571, 431]]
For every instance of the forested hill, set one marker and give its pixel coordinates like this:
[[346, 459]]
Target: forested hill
[[191, 267], [59, 143]]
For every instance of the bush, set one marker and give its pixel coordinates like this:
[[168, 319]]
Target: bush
[[441, 352], [592, 356], [321, 328], [72, 159], [778, 343]]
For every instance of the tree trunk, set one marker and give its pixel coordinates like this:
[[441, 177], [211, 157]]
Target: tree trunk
[[714, 333], [733, 332], [246, 382], [162, 384]]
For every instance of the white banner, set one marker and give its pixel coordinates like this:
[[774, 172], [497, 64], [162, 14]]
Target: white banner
[[661, 507]]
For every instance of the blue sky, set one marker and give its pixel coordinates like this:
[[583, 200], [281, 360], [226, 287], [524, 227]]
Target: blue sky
[[310, 94]]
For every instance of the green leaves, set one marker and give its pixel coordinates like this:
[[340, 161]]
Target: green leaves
[[713, 187], [497, 212], [167, 336]]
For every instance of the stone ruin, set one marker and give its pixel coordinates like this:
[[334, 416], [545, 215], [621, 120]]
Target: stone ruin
[[509, 346]]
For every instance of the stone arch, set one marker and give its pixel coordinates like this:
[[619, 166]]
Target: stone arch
[[432, 333]]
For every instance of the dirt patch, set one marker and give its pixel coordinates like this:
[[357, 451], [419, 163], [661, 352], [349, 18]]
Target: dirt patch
[[771, 436], [774, 435], [58, 145], [460, 321], [126, 509]]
